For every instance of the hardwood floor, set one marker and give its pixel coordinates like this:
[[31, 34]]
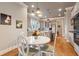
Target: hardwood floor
[[63, 48], [11, 53]]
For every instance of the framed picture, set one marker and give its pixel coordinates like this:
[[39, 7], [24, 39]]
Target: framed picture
[[5, 19], [18, 24]]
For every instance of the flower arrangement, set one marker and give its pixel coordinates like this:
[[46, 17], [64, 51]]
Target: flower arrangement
[[36, 34]]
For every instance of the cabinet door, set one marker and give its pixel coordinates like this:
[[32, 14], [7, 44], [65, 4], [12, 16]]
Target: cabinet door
[[77, 7], [75, 10], [76, 28], [76, 24]]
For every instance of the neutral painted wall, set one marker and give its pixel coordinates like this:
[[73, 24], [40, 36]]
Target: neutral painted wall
[[59, 21], [67, 25], [9, 33]]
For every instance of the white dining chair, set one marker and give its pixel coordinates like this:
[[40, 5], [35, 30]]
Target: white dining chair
[[22, 45], [24, 48]]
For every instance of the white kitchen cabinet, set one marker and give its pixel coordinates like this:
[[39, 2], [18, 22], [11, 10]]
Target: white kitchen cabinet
[[75, 10]]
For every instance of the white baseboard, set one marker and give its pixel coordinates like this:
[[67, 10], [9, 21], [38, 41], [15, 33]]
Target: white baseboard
[[7, 50], [76, 47]]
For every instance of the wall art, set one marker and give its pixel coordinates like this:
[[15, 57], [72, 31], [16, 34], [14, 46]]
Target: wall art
[[5, 19]]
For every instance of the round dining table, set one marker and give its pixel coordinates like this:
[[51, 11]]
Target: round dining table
[[40, 40]]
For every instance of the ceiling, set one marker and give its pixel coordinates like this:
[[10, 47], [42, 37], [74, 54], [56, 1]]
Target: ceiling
[[50, 9]]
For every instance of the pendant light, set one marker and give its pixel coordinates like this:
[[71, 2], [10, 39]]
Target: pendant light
[[38, 9], [32, 13], [40, 15], [59, 14]]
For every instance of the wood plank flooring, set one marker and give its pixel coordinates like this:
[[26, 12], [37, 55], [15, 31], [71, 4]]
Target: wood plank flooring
[[63, 48], [11, 53]]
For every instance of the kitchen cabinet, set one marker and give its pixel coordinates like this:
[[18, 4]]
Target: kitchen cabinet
[[75, 10]]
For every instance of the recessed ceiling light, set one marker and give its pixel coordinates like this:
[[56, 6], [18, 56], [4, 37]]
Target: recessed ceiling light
[[32, 6], [60, 9]]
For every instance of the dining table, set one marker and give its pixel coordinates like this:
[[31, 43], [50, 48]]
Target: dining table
[[40, 40]]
